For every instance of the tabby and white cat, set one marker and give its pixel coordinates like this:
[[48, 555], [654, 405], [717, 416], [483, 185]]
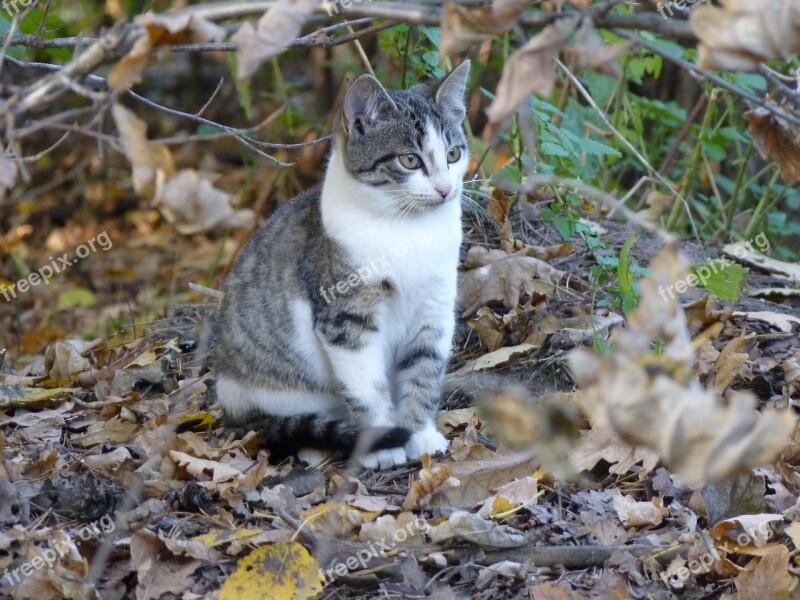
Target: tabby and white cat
[[327, 330]]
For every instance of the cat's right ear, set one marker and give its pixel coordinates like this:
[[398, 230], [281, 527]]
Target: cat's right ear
[[364, 103]]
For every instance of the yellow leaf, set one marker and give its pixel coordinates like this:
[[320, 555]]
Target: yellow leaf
[[197, 420], [143, 360], [285, 570], [501, 505], [215, 538], [14, 395]]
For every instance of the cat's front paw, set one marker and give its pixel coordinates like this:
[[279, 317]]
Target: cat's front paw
[[429, 441], [383, 459]]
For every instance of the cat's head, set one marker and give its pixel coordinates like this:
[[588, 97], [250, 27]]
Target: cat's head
[[408, 144]]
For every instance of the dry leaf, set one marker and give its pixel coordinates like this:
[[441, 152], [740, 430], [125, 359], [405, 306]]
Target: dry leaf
[[160, 30], [494, 276], [593, 52], [731, 363], [746, 253], [496, 359], [781, 322], [191, 203], [530, 69], [769, 580], [463, 26], [598, 444], [477, 530], [203, 469], [148, 159], [777, 141], [511, 496], [282, 570], [187, 198], [476, 477], [637, 514], [277, 28], [740, 35], [432, 476], [653, 401]]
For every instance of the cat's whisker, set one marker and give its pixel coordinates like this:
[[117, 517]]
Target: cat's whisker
[[473, 207]]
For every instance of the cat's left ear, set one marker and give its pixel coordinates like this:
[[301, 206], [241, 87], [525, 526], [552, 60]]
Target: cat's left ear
[[450, 92]]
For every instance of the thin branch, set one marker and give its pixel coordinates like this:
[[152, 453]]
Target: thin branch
[[44, 152], [582, 187], [238, 134], [111, 46], [315, 39], [203, 108]]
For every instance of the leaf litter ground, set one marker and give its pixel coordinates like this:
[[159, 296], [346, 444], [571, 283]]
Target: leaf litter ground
[[117, 480]]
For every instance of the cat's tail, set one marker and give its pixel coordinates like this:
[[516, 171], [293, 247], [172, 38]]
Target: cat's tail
[[288, 434]]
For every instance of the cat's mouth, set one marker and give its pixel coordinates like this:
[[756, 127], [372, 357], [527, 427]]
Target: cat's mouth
[[429, 203]]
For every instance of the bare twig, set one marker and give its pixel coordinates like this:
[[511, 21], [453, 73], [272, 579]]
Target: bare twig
[[211, 99], [113, 45], [254, 144], [315, 39]]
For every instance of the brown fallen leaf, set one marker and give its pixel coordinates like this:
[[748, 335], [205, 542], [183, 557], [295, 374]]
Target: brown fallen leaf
[[638, 514], [509, 497], [192, 204], [150, 161], [431, 477], [494, 276], [160, 30], [277, 28], [769, 580], [530, 69], [555, 591], [777, 141], [205, 469], [477, 530], [499, 358], [464, 26], [476, 476], [187, 198], [598, 444], [731, 363], [757, 527], [593, 52], [740, 35]]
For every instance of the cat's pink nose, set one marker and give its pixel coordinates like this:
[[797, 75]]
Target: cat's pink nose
[[443, 189]]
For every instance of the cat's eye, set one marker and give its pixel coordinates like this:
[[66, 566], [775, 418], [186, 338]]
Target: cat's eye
[[454, 155], [410, 161]]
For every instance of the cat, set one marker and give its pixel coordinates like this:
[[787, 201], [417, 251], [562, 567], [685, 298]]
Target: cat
[[327, 330]]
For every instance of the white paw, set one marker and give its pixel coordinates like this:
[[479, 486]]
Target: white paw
[[311, 456], [383, 459], [429, 441]]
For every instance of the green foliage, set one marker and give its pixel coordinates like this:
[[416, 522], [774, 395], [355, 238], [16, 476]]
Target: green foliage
[[721, 278], [628, 294], [417, 49]]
